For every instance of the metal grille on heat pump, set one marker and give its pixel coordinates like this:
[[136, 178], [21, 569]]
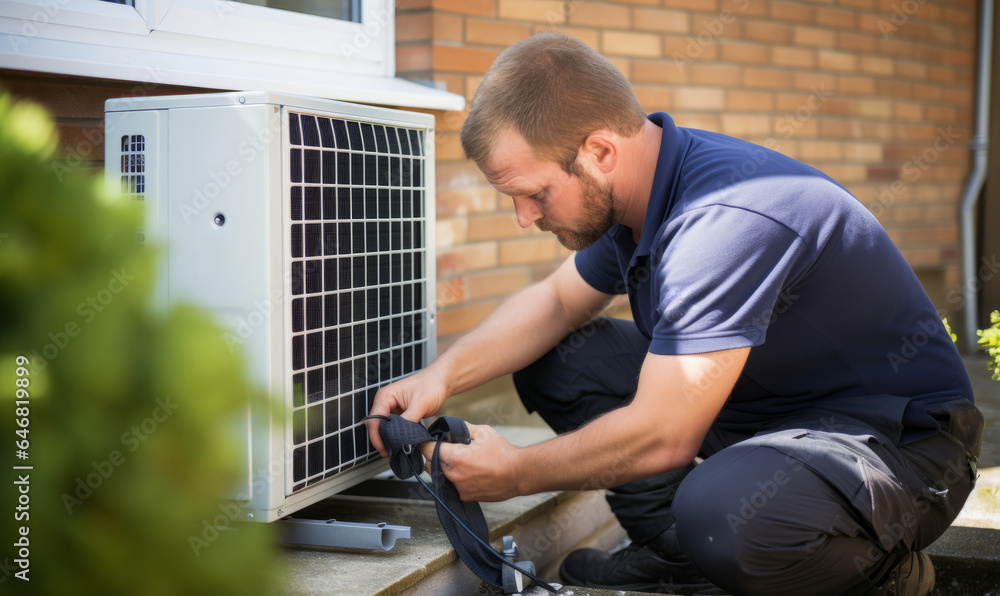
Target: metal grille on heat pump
[[356, 250]]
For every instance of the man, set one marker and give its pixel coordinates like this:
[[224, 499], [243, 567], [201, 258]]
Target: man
[[778, 334]]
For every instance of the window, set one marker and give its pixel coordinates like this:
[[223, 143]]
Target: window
[[337, 49], [345, 10]]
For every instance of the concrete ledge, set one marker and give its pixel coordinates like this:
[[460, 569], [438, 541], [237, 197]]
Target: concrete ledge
[[545, 526]]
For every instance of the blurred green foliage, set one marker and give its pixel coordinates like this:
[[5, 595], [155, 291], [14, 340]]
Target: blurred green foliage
[[947, 329], [990, 339], [128, 408]]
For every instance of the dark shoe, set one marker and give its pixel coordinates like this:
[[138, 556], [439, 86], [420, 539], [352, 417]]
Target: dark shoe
[[913, 576], [658, 566]]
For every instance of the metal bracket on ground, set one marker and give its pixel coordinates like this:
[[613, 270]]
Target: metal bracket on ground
[[317, 532], [513, 580]]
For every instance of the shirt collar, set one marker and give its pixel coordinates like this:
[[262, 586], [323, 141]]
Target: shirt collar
[[661, 196]]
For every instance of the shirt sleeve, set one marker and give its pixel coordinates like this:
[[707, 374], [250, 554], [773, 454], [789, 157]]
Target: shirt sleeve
[[717, 273], [598, 265]]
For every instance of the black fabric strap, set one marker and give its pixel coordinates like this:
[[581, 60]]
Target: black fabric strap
[[401, 437]]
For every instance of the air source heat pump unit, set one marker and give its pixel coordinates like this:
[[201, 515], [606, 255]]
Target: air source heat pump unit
[[305, 227]]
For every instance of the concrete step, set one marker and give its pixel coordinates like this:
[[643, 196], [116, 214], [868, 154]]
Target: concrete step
[[545, 526]]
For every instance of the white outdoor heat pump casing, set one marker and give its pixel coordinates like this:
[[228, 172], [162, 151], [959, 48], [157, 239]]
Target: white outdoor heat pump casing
[[305, 227]]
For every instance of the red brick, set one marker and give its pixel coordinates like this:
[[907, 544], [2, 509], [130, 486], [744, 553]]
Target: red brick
[[450, 291], [463, 318], [462, 59], [413, 57], [791, 11], [552, 12], [835, 17], [450, 232], [661, 71], [747, 53], [793, 57], [687, 49], [856, 85], [534, 250], [653, 98], [498, 283], [465, 200], [768, 78], [660, 19], [413, 27], [715, 74], [589, 36], [467, 257], [592, 14], [482, 8], [489, 32], [447, 27], [494, 226], [698, 98], [749, 101], [623, 43], [858, 42], [700, 5], [746, 125], [815, 37], [767, 31], [839, 61]]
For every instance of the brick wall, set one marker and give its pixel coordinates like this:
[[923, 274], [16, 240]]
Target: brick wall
[[876, 93]]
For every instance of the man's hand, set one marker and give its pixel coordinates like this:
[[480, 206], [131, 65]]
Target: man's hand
[[414, 398], [482, 470]]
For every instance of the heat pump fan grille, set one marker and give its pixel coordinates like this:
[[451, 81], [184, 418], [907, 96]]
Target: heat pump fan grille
[[357, 258]]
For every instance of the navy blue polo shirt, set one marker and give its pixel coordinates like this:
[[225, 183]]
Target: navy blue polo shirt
[[742, 246]]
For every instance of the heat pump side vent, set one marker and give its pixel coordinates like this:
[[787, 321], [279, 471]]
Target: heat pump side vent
[[133, 162]]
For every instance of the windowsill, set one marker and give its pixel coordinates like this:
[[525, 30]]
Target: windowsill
[[149, 67]]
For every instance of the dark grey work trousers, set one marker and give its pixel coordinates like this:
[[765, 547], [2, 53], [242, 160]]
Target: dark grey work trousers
[[822, 502]]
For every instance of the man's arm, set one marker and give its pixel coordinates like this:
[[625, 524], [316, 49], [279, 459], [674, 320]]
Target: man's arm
[[517, 333], [661, 429]]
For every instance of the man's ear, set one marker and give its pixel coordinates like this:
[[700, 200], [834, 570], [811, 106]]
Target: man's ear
[[601, 148]]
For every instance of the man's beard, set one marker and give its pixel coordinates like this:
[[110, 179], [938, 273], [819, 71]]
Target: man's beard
[[598, 215]]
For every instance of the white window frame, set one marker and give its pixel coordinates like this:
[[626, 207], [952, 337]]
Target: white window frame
[[215, 44]]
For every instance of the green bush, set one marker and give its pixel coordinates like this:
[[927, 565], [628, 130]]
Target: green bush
[[128, 408], [990, 339]]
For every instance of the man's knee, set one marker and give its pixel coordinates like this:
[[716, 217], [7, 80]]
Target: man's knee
[[755, 521]]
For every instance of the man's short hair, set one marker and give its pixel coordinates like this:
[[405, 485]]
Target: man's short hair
[[555, 90]]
